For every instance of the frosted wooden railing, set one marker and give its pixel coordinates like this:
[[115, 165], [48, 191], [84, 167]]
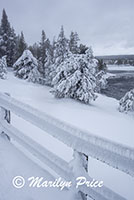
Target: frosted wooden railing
[[83, 143]]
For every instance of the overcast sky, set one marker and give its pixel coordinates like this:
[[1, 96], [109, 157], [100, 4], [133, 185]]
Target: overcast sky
[[107, 25]]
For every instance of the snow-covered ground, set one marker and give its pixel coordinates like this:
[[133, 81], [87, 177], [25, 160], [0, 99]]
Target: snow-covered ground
[[15, 163], [101, 118], [121, 67]]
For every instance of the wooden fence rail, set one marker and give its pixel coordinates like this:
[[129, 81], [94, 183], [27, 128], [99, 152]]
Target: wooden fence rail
[[83, 143]]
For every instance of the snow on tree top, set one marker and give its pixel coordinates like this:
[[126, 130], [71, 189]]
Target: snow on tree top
[[25, 64], [75, 77], [26, 57]]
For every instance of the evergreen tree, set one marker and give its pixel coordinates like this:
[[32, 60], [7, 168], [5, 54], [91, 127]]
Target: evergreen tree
[[127, 102], [25, 64], [34, 75], [101, 76], [3, 67], [13, 50], [61, 47], [119, 62], [35, 49], [101, 81], [21, 45], [73, 43], [101, 65], [82, 49], [75, 77], [4, 33], [49, 66], [61, 52], [43, 48], [7, 39]]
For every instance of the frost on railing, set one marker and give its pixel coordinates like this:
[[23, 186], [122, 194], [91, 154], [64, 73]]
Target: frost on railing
[[4, 116], [68, 171], [84, 144], [111, 153]]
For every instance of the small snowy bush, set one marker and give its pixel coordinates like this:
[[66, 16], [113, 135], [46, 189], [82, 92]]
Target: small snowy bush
[[127, 102], [101, 81], [3, 67], [75, 77], [25, 64]]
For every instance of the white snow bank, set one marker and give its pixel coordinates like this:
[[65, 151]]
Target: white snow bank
[[120, 67]]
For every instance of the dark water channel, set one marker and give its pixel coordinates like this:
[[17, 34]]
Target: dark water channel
[[120, 84]]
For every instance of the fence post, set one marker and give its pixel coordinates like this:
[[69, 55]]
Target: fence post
[[79, 165], [5, 115]]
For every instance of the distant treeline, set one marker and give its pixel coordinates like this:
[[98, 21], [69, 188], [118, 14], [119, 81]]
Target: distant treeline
[[118, 59]]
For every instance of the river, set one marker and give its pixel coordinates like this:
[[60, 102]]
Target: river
[[120, 84]]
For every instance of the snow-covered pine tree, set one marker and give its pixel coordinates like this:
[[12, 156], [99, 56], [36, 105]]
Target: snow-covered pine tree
[[44, 44], [101, 77], [35, 49], [5, 33], [61, 47], [34, 75], [3, 67], [7, 39], [102, 65], [43, 47], [126, 103], [73, 43], [12, 47], [61, 51], [82, 49], [49, 66], [24, 65], [101, 81], [21, 45], [75, 77]]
